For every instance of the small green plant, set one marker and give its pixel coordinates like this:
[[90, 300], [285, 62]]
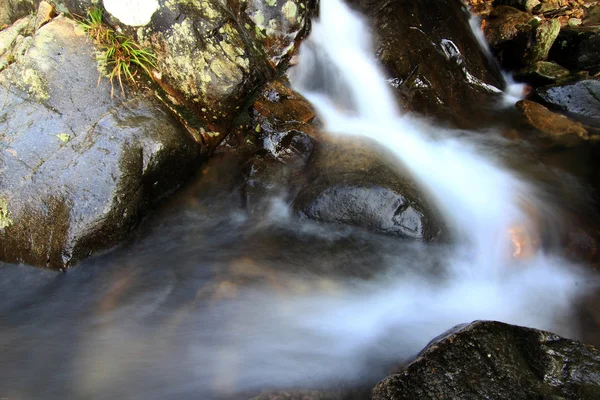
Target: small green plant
[[119, 57]]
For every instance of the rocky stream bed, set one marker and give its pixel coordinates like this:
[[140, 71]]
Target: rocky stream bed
[[143, 205]]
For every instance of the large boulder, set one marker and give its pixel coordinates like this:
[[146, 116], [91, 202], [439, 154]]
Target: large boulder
[[78, 167], [492, 360], [579, 99], [354, 183], [213, 57], [436, 65], [206, 61]]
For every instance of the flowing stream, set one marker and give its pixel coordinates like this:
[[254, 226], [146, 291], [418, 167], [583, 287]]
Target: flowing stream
[[309, 305]]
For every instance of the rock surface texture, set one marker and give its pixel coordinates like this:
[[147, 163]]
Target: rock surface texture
[[77, 167], [579, 99], [436, 65], [353, 183], [492, 360]]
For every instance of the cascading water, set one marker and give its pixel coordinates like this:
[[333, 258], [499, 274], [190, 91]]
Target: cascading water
[[481, 201], [139, 325], [350, 333], [513, 91]]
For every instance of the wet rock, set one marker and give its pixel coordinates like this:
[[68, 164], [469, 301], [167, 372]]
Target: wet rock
[[508, 24], [278, 25], [286, 138], [436, 64], [524, 5], [493, 360], [542, 73], [578, 48], [549, 122], [354, 183], [545, 35], [78, 168], [207, 63], [517, 38], [213, 57], [278, 106], [579, 100]]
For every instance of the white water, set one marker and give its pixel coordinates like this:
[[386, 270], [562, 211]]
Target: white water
[[481, 201], [332, 330]]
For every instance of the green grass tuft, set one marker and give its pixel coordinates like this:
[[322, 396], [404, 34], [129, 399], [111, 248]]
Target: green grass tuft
[[120, 57]]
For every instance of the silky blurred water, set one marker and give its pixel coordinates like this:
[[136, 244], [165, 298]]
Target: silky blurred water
[[209, 302]]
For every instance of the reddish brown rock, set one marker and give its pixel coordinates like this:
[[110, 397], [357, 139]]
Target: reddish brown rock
[[548, 122]]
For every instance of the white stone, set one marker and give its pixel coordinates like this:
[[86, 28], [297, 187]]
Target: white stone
[[132, 12]]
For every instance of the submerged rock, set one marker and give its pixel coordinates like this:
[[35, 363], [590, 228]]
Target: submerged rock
[[493, 360], [436, 64], [78, 168], [579, 100], [352, 183]]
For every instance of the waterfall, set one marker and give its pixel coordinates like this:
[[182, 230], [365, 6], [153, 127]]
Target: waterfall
[[326, 331], [481, 201], [351, 330]]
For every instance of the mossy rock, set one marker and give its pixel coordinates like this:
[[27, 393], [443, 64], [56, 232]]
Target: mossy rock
[[79, 168]]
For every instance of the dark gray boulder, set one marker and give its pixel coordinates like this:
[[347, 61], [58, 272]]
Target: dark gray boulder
[[354, 183], [78, 168], [579, 99], [436, 65], [493, 360]]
